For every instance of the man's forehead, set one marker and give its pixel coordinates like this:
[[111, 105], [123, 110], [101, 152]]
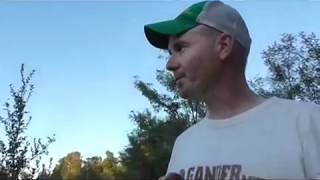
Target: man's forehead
[[189, 35], [183, 36]]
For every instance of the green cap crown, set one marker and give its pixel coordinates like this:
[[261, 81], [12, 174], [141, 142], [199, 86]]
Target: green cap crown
[[214, 14]]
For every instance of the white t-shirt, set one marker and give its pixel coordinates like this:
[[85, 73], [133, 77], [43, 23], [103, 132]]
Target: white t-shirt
[[278, 139]]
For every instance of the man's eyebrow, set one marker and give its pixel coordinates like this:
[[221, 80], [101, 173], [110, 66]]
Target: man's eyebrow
[[179, 42]]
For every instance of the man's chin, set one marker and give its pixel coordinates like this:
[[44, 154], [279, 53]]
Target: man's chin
[[190, 94], [186, 94]]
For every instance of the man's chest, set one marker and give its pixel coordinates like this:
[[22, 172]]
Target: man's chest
[[245, 155]]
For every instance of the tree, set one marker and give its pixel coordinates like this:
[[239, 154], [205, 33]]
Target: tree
[[72, 166], [151, 142], [112, 169], [92, 168], [18, 154], [294, 68], [57, 170], [45, 172]]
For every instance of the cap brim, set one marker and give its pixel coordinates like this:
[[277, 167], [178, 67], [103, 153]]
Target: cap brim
[[158, 33]]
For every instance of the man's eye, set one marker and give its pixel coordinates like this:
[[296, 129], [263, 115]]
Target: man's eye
[[178, 47]]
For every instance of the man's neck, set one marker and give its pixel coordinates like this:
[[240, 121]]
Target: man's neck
[[225, 103]]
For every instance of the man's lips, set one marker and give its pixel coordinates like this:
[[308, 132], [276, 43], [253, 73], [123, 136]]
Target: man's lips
[[179, 77]]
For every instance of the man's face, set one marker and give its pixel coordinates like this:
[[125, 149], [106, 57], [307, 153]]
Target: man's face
[[194, 62]]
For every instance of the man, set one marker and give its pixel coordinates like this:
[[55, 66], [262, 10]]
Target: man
[[243, 136]]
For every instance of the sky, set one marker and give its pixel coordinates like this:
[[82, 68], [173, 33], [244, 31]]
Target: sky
[[86, 54]]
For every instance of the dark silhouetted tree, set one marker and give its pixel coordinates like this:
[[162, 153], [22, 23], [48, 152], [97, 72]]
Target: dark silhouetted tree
[[151, 142], [294, 68], [17, 153]]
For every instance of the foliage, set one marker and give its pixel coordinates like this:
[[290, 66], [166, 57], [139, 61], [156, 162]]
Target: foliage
[[294, 68], [18, 154]]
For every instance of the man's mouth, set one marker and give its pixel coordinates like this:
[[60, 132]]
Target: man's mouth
[[178, 79]]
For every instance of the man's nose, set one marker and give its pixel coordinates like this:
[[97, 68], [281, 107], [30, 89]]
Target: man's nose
[[172, 64]]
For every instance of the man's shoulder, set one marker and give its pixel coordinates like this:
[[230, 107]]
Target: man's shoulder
[[297, 106], [301, 113], [306, 116]]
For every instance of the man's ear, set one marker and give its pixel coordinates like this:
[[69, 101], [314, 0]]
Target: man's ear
[[224, 45]]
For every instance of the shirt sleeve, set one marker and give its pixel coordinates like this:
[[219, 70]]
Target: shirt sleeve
[[310, 137]]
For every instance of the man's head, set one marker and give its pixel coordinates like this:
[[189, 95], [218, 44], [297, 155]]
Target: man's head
[[202, 41]]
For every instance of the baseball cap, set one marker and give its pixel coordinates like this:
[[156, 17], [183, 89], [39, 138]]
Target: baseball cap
[[214, 14]]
